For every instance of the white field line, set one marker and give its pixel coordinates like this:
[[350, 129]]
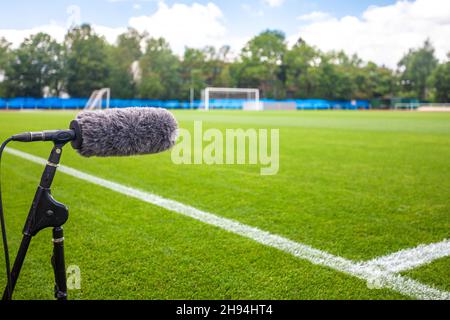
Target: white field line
[[412, 258], [375, 276]]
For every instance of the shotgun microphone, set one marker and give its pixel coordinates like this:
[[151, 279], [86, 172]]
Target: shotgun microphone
[[114, 132]]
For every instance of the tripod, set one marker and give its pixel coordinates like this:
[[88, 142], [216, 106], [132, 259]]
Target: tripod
[[45, 212]]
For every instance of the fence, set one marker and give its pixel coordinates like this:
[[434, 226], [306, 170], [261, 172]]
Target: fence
[[79, 103]]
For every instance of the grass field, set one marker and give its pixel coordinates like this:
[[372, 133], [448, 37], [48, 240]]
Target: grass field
[[357, 185]]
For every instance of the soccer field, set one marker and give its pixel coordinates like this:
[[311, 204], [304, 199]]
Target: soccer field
[[353, 189]]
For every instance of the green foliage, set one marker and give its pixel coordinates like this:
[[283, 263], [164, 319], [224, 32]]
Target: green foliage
[[124, 57], [301, 76], [159, 67], [262, 64], [5, 53], [137, 66], [192, 71], [5, 63], [416, 66], [216, 67], [87, 63], [38, 64], [202, 68], [313, 74], [440, 81], [373, 81]]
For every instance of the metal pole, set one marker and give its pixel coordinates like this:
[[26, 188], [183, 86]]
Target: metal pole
[[59, 264]]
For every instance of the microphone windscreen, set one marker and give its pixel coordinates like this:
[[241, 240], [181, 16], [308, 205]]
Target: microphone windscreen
[[126, 132]]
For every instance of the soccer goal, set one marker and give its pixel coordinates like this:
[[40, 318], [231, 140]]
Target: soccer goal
[[229, 98], [97, 97]]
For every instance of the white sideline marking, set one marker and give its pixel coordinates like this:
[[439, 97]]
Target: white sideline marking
[[412, 258], [371, 274]]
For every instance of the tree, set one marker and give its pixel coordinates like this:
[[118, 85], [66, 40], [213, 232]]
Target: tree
[[347, 72], [440, 81], [37, 65], [216, 67], [415, 68], [328, 79], [123, 56], [160, 71], [87, 64], [301, 63], [192, 71], [5, 62], [206, 67], [262, 64], [374, 82]]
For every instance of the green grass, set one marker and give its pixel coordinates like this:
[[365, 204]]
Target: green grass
[[356, 184], [436, 273]]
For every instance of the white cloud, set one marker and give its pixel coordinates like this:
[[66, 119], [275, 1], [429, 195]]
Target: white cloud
[[183, 25], [110, 34], [274, 3], [57, 32], [17, 36], [384, 34], [137, 6], [194, 25]]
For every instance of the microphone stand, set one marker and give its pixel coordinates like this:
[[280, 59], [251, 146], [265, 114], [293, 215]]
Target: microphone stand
[[45, 212]]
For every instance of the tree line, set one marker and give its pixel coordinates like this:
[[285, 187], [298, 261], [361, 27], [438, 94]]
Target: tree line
[[138, 66]]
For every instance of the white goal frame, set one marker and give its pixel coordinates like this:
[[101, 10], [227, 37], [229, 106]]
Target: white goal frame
[[207, 94], [96, 99]]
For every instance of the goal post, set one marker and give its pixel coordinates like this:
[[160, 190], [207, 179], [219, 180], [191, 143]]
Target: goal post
[[229, 94], [97, 97]]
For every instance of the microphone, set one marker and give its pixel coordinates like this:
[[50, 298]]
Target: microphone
[[124, 132], [114, 132]]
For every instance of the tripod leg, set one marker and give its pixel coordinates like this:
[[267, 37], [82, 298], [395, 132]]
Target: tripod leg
[[59, 264], [17, 266]]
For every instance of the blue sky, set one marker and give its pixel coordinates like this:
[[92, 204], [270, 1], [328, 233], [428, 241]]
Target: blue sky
[[31, 13], [377, 30]]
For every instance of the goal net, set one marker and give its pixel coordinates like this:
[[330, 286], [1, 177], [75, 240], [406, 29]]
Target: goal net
[[99, 99], [229, 98]]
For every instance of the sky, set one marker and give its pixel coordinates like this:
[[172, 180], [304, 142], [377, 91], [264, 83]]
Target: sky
[[378, 30]]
